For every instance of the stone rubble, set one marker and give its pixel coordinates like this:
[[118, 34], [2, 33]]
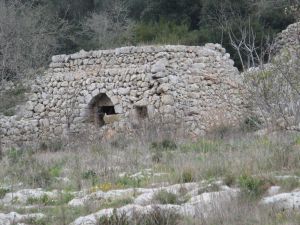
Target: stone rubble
[[22, 196], [202, 204], [15, 218], [284, 201]]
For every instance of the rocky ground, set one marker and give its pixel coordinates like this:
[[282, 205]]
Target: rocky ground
[[239, 180]]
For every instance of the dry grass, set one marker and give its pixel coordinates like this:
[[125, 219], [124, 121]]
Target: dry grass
[[244, 160], [87, 165]]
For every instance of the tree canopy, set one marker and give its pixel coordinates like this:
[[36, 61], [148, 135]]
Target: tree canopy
[[66, 26]]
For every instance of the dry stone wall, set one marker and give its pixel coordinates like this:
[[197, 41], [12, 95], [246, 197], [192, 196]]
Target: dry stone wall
[[197, 86], [288, 39]]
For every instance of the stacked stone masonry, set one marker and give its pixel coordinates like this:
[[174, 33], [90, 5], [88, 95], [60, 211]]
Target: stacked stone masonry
[[288, 39], [197, 86]]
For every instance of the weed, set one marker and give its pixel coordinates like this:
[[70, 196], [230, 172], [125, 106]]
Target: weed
[[44, 200], [3, 192], [164, 197], [117, 203], [290, 183], [252, 186], [127, 181], [229, 179], [164, 145], [155, 217], [114, 219], [14, 155], [187, 176], [90, 175], [251, 123], [55, 171], [35, 221], [201, 146]]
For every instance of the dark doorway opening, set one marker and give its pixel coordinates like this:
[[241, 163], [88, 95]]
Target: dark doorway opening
[[100, 106]]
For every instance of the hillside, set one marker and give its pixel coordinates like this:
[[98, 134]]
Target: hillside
[[125, 113]]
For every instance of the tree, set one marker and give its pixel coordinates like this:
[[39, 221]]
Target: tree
[[28, 37], [109, 27]]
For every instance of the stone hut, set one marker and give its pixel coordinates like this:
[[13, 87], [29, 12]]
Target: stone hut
[[197, 86]]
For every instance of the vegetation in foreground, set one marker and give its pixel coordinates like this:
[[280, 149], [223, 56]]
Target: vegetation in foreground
[[247, 161]]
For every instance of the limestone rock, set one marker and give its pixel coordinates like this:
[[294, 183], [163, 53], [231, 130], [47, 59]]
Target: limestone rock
[[284, 201], [39, 108], [159, 66]]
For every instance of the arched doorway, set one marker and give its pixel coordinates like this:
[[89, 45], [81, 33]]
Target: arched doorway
[[100, 106]]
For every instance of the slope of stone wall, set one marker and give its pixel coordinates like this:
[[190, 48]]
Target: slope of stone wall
[[198, 86], [288, 39]]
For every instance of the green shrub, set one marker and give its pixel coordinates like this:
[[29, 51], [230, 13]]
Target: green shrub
[[55, 171], [35, 221], [164, 197], [41, 176], [160, 217], [252, 186], [64, 198], [251, 123], [127, 181], [164, 145], [90, 175], [44, 200], [3, 192], [164, 32], [157, 156], [14, 155], [155, 217], [114, 219], [187, 176]]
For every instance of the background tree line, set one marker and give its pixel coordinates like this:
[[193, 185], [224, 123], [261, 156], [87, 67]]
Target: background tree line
[[33, 30]]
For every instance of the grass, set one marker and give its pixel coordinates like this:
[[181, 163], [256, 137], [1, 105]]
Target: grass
[[64, 198], [244, 161], [252, 186], [155, 217], [3, 192], [164, 197]]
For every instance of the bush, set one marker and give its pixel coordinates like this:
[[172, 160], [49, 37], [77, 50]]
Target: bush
[[115, 219], [164, 197], [3, 192], [252, 186], [90, 175], [14, 155], [187, 176], [164, 145], [155, 217], [251, 123], [44, 200], [164, 32]]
